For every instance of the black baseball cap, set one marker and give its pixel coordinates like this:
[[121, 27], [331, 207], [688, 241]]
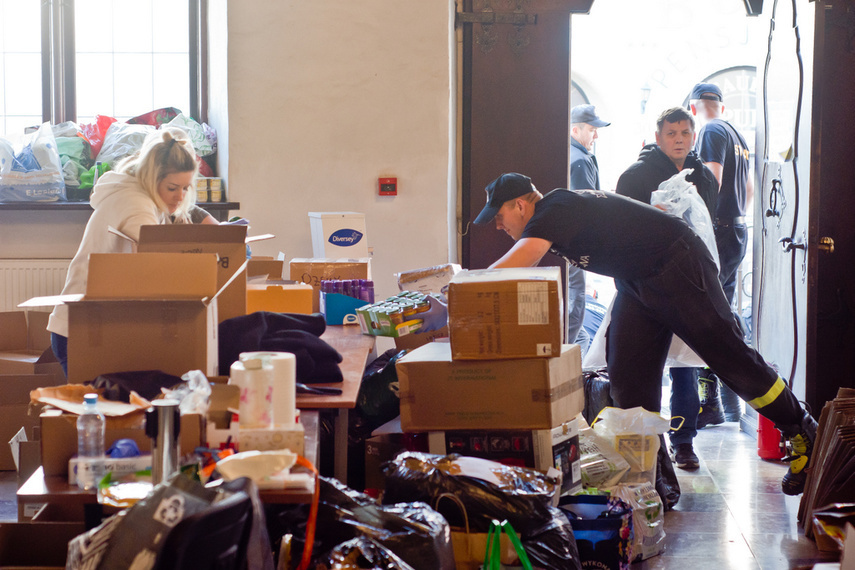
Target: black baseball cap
[[709, 91], [586, 114], [506, 187]]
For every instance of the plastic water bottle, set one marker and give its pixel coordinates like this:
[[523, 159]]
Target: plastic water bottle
[[90, 443]]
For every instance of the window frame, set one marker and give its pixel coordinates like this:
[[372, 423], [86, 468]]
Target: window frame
[[59, 86]]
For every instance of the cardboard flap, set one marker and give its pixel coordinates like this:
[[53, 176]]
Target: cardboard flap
[[38, 337], [507, 274], [13, 330], [231, 279], [260, 237], [190, 233], [50, 300], [151, 276]]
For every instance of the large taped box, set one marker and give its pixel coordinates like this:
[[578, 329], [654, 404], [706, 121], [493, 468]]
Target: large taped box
[[143, 311], [227, 241], [505, 313], [14, 410], [59, 436], [538, 449], [315, 270], [25, 344], [438, 393]]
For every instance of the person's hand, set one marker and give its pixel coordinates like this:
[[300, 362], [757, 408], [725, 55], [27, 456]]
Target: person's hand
[[435, 318]]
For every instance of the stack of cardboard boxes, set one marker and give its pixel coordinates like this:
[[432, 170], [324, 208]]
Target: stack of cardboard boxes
[[505, 387]]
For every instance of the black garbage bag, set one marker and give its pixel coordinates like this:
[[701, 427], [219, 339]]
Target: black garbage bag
[[362, 552], [377, 401], [147, 383], [597, 394], [667, 484], [487, 489], [413, 531], [553, 545]]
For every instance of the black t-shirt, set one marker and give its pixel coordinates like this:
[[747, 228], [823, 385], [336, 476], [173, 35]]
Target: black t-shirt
[[719, 142], [605, 233]]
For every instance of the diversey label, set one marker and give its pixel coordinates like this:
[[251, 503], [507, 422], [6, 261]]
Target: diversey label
[[345, 237]]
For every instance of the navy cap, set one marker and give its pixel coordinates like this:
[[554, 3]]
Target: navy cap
[[586, 114], [505, 187], [709, 91]]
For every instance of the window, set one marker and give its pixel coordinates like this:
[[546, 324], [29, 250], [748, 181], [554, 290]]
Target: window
[[74, 59]]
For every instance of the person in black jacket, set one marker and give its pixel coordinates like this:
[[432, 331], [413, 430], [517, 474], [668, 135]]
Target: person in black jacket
[[675, 138]]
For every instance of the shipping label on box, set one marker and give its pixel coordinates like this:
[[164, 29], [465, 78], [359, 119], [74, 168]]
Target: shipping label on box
[[505, 313], [315, 270], [438, 393]]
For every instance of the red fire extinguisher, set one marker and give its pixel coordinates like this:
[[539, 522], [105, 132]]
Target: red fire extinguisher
[[770, 443]]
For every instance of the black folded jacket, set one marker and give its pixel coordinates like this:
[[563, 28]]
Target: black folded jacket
[[317, 361]]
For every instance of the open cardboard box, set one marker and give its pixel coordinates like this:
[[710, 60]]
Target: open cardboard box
[[25, 344], [317, 269], [143, 311], [279, 296], [14, 410], [227, 241]]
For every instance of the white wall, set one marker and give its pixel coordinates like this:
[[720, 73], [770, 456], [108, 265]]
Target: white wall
[[326, 96]]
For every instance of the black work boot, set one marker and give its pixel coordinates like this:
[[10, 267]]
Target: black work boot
[[799, 450], [684, 456], [712, 412]]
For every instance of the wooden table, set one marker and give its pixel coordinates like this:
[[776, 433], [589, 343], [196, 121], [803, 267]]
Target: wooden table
[[55, 500], [355, 349]]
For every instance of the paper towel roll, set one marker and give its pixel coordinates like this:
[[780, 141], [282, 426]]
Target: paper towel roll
[[254, 377], [284, 384]]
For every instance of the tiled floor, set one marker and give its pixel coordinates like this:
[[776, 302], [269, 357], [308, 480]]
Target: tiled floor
[[732, 514]]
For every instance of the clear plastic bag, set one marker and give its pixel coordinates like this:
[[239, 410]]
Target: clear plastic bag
[[679, 197], [634, 433], [122, 140], [30, 168]]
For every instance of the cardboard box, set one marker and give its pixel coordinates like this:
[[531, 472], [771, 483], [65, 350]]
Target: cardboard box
[[315, 270], [272, 268], [14, 410], [438, 393], [279, 297], [338, 234], [505, 313], [537, 449], [25, 344], [228, 242], [413, 341], [429, 279], [143, 311], [59, 436], [37, 545]]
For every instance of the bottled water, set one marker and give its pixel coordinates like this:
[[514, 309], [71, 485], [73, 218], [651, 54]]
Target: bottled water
[[90, 444]]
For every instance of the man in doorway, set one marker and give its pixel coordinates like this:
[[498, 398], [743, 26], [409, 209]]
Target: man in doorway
[[584, 175], [725, 152], [667, 283], [675, 139], [584, 171]]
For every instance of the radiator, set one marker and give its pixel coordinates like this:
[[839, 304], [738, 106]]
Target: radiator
[[21, 279]]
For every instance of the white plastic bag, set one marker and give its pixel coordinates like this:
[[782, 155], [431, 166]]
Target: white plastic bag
[[679, 354], [679, 197], [195, 132], [634, 433], [122, 140], [602, 466], [30, 168]]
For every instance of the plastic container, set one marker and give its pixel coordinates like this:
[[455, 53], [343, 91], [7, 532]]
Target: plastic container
[[90, 443], [254, 377], [769, 441]]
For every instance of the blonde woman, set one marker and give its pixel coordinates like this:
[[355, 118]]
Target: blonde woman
[[153, 186]]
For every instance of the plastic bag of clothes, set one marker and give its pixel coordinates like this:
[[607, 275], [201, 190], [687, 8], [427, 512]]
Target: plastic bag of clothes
[[195, 132], [362, 552], [122, 140], [30, 169], [488, 490], [95, 132], [413, 531]]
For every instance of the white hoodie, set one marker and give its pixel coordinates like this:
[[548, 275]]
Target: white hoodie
[[119, 201]]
